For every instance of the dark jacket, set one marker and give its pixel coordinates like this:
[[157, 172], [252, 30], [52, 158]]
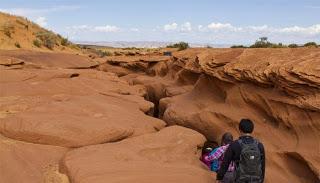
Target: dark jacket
[[233, 154]]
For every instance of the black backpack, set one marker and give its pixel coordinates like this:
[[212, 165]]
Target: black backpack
[[249, 167]]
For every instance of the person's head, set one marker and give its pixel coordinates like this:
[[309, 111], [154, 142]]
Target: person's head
[[208, 146], [246, 126], [227, 138]]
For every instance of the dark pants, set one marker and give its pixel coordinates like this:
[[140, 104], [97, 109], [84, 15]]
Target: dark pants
[[229, 177]]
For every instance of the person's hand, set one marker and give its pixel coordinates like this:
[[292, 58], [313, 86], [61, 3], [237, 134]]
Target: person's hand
[[218, 181]]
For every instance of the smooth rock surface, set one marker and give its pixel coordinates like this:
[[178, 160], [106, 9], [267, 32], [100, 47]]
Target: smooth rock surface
[[30, 163], [170, 155]]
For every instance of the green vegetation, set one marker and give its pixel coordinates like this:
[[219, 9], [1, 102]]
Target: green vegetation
[[37, 43], [64, 41], [131, 48], [180, 46], [279, 45], [17, 45], [47, 39], [83, 46], [18, 28], [22, 23], [73, 46], [103, 53], [293, 46], [238, 46], [311, 44], [7, 33], [7, 29], [264, 43]]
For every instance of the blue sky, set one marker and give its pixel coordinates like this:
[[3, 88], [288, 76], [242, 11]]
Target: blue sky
[[201, 21]]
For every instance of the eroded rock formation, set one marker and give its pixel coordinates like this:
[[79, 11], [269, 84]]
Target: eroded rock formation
[[92, 119], [279, 89], [210, 90], [169, 155]]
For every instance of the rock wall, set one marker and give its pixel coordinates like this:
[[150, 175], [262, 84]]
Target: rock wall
[[278, 89], [210, 90]]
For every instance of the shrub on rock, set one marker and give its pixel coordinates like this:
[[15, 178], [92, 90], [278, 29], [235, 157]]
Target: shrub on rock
[[181, 45]]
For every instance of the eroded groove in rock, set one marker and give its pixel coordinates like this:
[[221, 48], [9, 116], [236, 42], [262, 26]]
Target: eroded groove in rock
[[64, 110], [301, 168]]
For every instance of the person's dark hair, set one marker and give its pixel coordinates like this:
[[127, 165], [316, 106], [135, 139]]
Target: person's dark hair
[[246, 126], [208, 146], [227, 138]]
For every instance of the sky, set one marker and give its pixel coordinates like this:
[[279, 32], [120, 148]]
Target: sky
[[194, 21]]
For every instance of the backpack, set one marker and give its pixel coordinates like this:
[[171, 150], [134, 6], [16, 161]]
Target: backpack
[[215, 163], [249, 167]]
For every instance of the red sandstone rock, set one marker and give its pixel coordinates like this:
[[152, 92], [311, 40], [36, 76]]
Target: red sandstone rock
[[278, 89], [45, 59], [73, 121], [208, 90], [30, 163], [170, 155]]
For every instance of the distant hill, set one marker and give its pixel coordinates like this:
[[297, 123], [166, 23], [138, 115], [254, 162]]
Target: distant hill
[[20, 33], [146, 44]]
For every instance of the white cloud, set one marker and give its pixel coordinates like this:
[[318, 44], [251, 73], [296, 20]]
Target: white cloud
[[186, 27], [314, 29], [219, 26], [265, 29], [79, 27], [292, 29], [106, 28], [259, 28], [87, 28], [134, 30], [202, 28], [216, 32], [170, 27], [33, 11], [42, 21]]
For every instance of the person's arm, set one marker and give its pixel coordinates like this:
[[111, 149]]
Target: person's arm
[[263, 160], [225, 164], [215, 155]]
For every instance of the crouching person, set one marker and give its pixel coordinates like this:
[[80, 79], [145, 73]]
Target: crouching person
[[217, 155], [248, 155]]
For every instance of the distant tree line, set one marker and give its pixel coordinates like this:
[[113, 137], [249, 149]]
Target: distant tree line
[[263, 42], [181, 45]]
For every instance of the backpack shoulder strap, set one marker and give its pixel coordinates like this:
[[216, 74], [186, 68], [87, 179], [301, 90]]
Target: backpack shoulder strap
[[240, 143], [256, 141], [241, 146]]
